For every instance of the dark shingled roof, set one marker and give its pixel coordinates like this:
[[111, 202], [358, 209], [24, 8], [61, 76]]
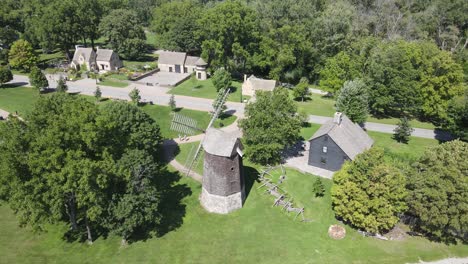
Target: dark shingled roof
[[220, 143], [350, 137]]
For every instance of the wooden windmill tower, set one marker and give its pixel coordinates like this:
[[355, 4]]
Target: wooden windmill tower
[[223, 178]]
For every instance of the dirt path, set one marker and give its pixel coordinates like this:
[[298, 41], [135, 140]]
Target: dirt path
[[445, 261]]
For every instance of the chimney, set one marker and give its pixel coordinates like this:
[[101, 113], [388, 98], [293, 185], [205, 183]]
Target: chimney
[[245, 77], [337, 118]]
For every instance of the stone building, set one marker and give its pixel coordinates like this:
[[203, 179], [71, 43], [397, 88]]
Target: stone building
[[180, 62], [336, 141], [253, 84], [102, 60], [223, 188]]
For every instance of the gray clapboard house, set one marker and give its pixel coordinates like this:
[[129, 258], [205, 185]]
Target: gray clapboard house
[[336, 141]]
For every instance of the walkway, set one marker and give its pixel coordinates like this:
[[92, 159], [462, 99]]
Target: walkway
[[446, 261], [160, 96]]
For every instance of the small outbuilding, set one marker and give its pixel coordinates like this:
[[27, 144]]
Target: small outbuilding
[[223, 185], [336, 141], [180, 62], [253, 84]]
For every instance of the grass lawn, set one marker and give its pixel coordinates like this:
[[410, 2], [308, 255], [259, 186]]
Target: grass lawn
[[408, 152], [113, 83], [309, 130], [19, 99], [116, 76], [162, 115], [206, 89], [257, 233], [187, 150]]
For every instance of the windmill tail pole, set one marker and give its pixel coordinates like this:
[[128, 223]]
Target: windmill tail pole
[[215, 116]]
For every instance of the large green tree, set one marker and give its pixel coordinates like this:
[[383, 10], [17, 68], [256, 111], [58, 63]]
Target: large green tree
[[337, 70], [38, 79], [271, 124], [123, 30], [438, 188], [353, 101], [457, 117], [369, 193], [221, 79], [174, 25], [21, 55], [228, 33], [92, 167]]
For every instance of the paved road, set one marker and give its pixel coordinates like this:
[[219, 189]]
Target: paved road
[[384, 128], [160, 96]]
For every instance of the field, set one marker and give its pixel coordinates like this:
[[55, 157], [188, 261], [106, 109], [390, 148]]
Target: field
[[257, 233], [21, 99], [113, 82], [206, 89]]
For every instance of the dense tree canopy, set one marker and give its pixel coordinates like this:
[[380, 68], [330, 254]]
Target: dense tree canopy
[[369, 193], [93, 168], [22, 55], [439, 191], [123, 31], [353, 101], [271, 124]]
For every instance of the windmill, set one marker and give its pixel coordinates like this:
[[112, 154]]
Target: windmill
[[188, 126]]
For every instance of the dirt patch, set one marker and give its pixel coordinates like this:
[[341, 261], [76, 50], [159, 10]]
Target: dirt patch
[[336, 232]]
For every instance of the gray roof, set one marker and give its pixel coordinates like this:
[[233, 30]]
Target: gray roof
[[171, 57], [201, 62], [350, 137], [262, 84], [86, 52], [191, 60], [220, 143], [104, 54]]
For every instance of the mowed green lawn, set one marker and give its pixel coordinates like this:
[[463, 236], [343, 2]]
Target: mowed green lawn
[[257, 233], [21, 99], [206, 89]]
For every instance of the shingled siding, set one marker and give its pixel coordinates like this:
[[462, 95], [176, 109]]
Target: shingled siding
[[334, 158], [221, 175]]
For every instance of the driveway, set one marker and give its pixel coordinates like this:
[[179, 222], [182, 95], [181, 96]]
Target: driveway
[[163, 79]]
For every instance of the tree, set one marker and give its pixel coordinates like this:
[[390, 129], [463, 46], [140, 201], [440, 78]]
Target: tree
[[302, 89], [318, 188], [219, 102], [457, 117], [337, 70], [89, 166], [133, 49], [135, 96], [5, 75], [353, 101], [61, 86], [403, 131], [227, 33], [221, 79], [172, 102], [369, 193], [174, 27], [98, 93], [37, 79], [438, 191], [123, 30], [271, 124], [21, 55]]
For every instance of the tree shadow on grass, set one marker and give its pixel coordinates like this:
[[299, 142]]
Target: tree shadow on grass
[[13, 85]]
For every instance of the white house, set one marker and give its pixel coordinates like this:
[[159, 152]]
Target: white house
[[253, 84], [179, 62], [103, 60]]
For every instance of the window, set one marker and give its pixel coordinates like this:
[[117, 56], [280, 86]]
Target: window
[[324, 149], [185, 70], [323, 160], [170, 69]]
